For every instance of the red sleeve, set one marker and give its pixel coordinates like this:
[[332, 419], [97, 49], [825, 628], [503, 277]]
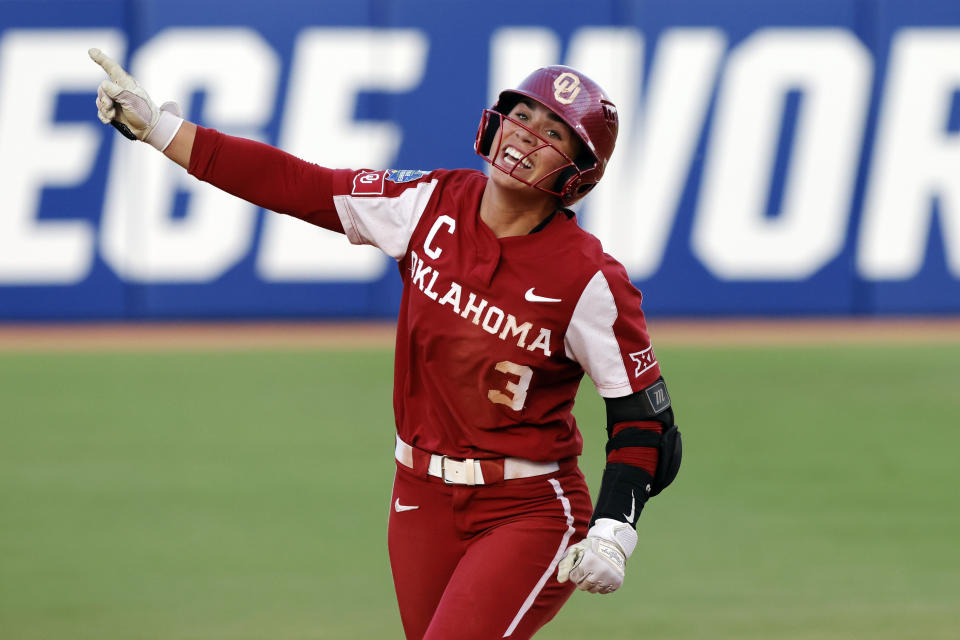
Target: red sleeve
[[268, 177]]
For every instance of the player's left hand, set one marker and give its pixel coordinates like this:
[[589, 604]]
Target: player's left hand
[[596, 563]]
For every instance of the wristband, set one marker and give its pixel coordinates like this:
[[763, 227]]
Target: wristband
[[163, 132]]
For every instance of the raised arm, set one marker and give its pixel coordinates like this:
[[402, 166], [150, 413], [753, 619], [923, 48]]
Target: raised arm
[[258, 173]]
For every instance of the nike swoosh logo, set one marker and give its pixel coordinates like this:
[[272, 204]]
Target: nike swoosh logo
[[403, 507], [530, 296], [633, 508]]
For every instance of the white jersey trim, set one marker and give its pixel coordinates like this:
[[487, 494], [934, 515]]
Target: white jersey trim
[[590, 339], [384, 222]]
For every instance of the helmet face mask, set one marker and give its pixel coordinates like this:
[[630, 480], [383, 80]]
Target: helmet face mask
[[552, 182], [580, 104]]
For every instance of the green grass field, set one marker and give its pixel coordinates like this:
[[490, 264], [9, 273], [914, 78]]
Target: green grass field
[[245, 495]]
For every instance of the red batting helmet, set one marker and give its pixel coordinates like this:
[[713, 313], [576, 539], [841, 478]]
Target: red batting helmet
[[582, 105]]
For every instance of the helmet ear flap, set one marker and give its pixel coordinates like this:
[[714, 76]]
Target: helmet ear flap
[[563, 177], [576, 189]]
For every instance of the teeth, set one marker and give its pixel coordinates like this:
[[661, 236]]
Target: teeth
[[516, 156]]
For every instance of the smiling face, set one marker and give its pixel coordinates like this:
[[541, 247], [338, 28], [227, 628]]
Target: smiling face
[[535, 145]]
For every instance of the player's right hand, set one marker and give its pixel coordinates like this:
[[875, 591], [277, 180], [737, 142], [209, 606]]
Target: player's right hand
[[597, 563], [122, 100]]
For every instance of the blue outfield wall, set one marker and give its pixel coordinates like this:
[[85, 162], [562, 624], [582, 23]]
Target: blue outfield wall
[[776, 158]]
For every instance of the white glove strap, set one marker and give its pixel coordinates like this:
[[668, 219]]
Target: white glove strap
[[616, 531], [166, 128]]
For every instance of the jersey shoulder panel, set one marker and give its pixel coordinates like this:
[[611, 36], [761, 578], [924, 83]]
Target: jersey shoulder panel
[[382, 208], [607, 333]]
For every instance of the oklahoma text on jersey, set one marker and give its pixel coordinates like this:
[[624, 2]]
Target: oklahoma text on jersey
[[493, 319]]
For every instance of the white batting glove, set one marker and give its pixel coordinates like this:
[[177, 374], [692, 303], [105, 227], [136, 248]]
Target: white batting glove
[[121, 100], [596, 563]]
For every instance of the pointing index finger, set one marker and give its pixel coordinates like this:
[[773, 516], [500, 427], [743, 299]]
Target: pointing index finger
[[114, 70]]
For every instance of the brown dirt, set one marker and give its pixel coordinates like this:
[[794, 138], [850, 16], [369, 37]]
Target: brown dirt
[[325, 335]]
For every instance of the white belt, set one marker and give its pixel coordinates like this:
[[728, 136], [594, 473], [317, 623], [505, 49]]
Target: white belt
[[470, 471]]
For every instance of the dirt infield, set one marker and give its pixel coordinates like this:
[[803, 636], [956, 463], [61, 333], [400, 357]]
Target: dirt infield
[[325, 335]]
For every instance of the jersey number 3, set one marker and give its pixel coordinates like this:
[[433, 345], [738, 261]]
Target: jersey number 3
[[516, 391]]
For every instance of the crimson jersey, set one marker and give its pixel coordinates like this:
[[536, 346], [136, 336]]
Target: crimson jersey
[[494, 335]]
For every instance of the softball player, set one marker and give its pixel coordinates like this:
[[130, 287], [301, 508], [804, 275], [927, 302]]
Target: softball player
[[506, 303]]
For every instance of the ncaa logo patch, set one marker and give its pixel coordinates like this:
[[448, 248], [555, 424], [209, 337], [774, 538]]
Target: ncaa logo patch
[[404, 175], [368, 183]]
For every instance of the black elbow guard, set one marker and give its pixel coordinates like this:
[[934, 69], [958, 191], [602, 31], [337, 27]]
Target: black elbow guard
[[652, 403]]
